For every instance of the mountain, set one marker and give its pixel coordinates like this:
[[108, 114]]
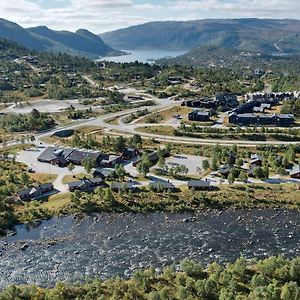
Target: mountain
[[260, 35], [82, 42]]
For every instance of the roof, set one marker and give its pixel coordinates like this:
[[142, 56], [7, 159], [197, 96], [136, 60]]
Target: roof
[[161, 184], [42, 188], [295, 170], [80, 155], [52, 153], [110, 158], [256, 157], [199, 183], [122, 185], [105, 172], [225, 169]]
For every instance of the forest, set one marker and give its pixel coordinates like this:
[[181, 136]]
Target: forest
[[272, 278]]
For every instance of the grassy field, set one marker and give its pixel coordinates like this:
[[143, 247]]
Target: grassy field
[[42, 177], [161, 130], [168, 114], [70, 178], [56, 202]]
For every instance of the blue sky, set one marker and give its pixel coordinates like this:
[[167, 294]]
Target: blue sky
[[104, 15]]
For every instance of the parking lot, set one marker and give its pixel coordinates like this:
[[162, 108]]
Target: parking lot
[[192, 162]]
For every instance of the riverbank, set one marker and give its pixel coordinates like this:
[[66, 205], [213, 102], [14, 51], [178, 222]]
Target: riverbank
[[105, 245], [145, 201], [272, 278]]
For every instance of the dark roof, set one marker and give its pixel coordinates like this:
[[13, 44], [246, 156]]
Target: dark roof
[[40, 189], [52, 153], [104, 172], [199, 183], [256, 157], [80, 155], [122, 185], [295, 170], [161, 184], [85, 184]]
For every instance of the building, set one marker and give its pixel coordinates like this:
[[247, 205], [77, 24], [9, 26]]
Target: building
[[104, 173], [78, 156], [109, 161], [35, 191], [225, 170], [85, 185], [256, 160], [122, 186], [295, 172], [246, 119], [130, 153], [160, 186], [199, 185], [55, 156], [200, 116]]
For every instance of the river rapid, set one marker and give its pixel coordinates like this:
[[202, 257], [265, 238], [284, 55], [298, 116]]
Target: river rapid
[[104, 245]]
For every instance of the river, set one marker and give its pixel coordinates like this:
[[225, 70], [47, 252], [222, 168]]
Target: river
[[143, 56], [105, 245]]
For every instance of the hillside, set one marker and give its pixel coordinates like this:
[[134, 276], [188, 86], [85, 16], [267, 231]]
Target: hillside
[[83, 42], [260, 35]]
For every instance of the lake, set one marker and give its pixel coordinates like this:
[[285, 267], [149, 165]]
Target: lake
[[143, 56], [105, 245]]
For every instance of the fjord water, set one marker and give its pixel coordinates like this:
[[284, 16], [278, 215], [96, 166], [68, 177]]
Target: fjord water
[[142, 56], [106, 245]]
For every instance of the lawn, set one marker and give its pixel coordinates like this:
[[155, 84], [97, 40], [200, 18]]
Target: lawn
[[42, 177], [70, 178], [168, 114], [160, 130], [56, 202]]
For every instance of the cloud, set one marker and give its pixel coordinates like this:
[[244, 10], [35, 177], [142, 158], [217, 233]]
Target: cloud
[[104, 15]]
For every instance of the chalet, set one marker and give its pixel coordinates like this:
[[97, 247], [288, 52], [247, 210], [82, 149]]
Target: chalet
[[159, 186], [55, 156], [227, 99], [135, 98], [122, 186], [35, 191], [256, 160], [104, 173], [251, 171], [225, 170], [130, 153], [285, 120], [295, 172], [199, 185], [200, 116], [85, 185], [109, 161], [154, 157], [78, 156], [175, 80], [245, 119]]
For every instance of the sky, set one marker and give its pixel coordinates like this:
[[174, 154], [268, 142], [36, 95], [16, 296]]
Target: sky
[[105, 15]]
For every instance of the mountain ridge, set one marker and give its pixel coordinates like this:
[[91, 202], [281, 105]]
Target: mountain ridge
[[42, 38], [259, 35]]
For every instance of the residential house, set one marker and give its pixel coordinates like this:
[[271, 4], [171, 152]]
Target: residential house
[[85, 184], [159, 186], [256, 160], [55, 156], [78, 156], [35, 191], [109, 161], [122, 186], [295, 172], [225, 170], [104, 173], [130, 153], [200, 116], [199, 185]]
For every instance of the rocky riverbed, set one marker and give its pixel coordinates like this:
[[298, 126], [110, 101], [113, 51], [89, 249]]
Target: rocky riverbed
[[105, 245]]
